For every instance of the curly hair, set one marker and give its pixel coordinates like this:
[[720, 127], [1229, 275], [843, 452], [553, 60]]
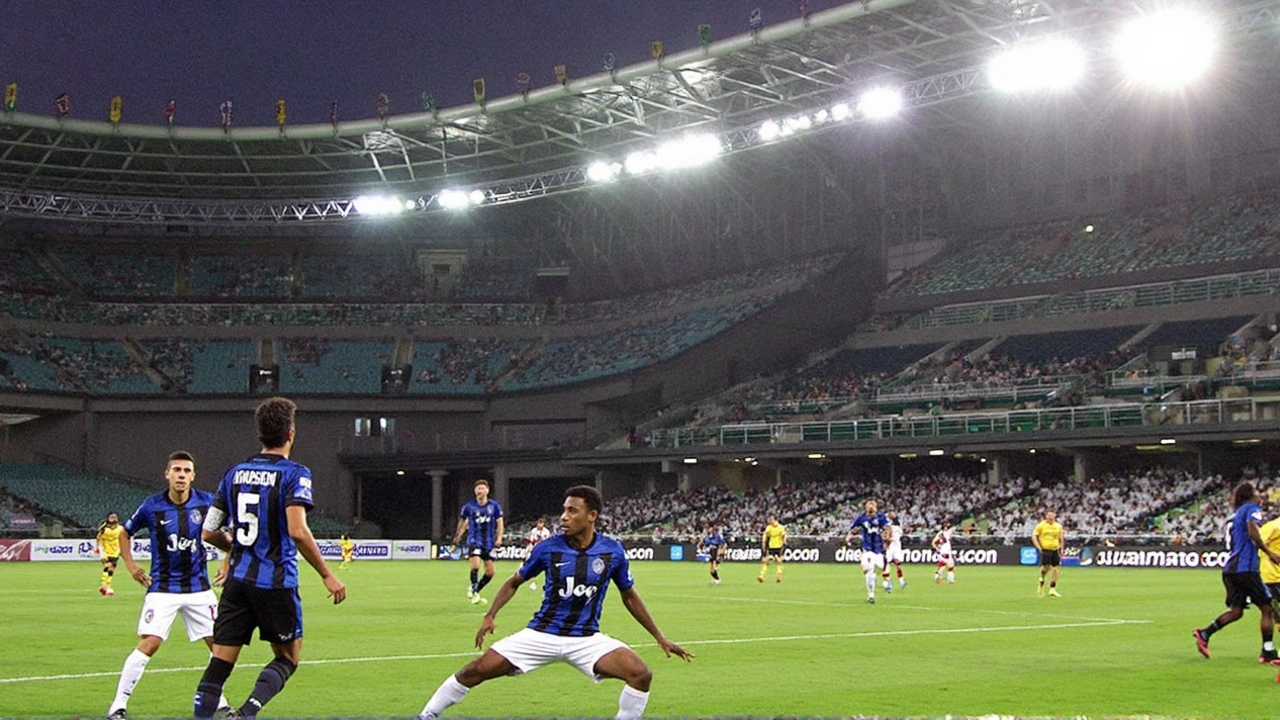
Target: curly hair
[[274, 417]]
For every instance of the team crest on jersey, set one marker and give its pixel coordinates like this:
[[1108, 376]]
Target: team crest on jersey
[[597, 565], [196, 517], [149, 615]]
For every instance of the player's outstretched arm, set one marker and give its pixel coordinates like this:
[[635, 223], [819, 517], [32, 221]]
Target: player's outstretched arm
[[135, 570], [634, 605], [505, 593], [300, 532]]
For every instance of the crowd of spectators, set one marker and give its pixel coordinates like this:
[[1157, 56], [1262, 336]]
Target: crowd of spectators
[[73, 365]]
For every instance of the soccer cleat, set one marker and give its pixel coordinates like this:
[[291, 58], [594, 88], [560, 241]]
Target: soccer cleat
[[102, 589], [715, 581], [1202, 642], [482, 600], [871, 601], [1039, 591], [904, 584], [1053, 592], [118, 714], [779, 579], [226, 712], [471, 592], [109, 592], [1269, 657], [888, 587], [759, 578], [475, 598]]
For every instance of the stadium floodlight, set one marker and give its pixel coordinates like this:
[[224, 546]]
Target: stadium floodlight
[[821, 116], [1054, 64], [603, 171], [1167, 50], [840, 112], [769, 130], [817, 456], [688, 152], [879, 103], [1168, 441], [691, 461], [638, 163], [476, 197], [378, 205], [453, 199], [936, 452], [410, 204]]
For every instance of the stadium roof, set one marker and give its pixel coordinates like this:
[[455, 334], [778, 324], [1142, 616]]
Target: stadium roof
[[525, 146]]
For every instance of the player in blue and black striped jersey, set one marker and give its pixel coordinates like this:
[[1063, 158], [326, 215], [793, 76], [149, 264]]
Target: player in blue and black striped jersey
[[712, 545], [580, 564], [481, 520], [1240, 573], [871, 524], [178, 582], [266, 499]]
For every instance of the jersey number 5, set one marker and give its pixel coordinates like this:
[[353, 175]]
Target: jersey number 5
[[247, 518]]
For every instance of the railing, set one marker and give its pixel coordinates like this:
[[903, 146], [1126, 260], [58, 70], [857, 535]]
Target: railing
[[1094, 417], [514, 438], [1027, 387]]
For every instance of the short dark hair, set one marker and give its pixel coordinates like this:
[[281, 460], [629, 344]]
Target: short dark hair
[[480, 482], [1242, 494], [274, 418], [180, 455], [589, 495]]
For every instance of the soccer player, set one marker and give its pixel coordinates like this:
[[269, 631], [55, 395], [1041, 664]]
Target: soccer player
[[481, 520], [893, 552], [1047, 537], [1270, 571], [348, 551], [580, 563], [713, 545], [178, 583], [107, 548], [536, 535], [266, 499], [772, 544], [1240, 573], [871, 526], [946, 559]]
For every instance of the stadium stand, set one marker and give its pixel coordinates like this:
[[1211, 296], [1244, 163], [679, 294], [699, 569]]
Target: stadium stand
[[104, 275]]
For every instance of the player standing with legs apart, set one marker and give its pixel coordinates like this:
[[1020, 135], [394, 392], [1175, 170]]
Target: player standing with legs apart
[[1240, 573], [712, 545], [773, 543], [179, 580], [266, 499], [539, 533], [946, 559], [579, 564], [871, 526], [1047, 537], [481, 520], [893, 552], [107, 548]]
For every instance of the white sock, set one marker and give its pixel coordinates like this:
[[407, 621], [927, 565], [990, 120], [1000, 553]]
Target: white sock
[[631, 703], [449, 693], [134, 665], [951, 576], [871, 585]]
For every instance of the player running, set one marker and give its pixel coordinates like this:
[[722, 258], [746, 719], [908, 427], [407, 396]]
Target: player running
[[871, 525], [712, 545], [893, 552], [107, 547], [946, 558], [537, 534], [481, 520], [348, 551], [580, 564], [178, 583]]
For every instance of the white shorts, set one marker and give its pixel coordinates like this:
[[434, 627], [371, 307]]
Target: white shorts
[[946, 559], [895, 555], [529, 650], [872, 561], [198, 612]]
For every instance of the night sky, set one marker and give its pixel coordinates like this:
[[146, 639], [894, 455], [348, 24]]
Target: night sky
[[311, 52]]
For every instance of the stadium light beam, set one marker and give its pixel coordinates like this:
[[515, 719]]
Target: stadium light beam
[[1167, 50], [880, 103], [603, 171], [769, 130], [379, 205], [454, 200], [1046, 65]]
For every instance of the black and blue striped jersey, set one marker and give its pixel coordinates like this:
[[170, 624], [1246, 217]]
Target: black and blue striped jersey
[[482, 523], [178, 562], [255, 494], [573, 593]]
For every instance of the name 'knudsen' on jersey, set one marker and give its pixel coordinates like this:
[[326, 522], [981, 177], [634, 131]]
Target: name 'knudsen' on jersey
[[573, 593], [178, 563], [255, 494]]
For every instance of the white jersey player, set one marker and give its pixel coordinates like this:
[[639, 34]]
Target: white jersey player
[[893, 551], [946, 558], [536, 535]]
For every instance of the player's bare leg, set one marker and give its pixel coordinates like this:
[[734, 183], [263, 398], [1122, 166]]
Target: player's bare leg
[[455, 687], [625, 665]]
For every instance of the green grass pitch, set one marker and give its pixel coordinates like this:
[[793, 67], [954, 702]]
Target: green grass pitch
[[1117, 644]]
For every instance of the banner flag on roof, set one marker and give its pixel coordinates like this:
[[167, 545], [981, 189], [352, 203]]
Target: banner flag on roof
[[11, 97], [280, 113], [522, 83], [333, 113], [704, 34], [428, 101], [609, 62], [225, 108], [116, 109], [655, 47], [562, 74], [477, 90], [170, 110], [757, 20], [384, 103], [62, 105]]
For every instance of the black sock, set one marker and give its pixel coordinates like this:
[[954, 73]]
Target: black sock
[[270, 682], [1053, 584], [715, 574], [474, 575], [483, 581], [1211, 629], [210, 687]]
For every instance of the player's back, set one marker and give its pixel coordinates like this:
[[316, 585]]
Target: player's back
[[1242, 555], [256, 493], [177, 553]]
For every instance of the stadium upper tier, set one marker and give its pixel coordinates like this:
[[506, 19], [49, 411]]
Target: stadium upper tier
[[1213, 231]]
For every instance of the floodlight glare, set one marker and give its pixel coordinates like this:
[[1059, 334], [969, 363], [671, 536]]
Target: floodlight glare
[[769, 130], [476, 197], [688, 152], [840, 112], [376, 205], [878, 103], [820, 116], [602, 171], [1166, 50], [410, 204], [1046, 65], [453, 200], [638, 163]]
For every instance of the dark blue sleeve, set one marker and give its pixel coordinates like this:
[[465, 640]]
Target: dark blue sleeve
[[141, 520], [297, 489], [537, 562], [621, 575]]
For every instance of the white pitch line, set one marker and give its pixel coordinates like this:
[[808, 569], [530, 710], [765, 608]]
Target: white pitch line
[[897, 606], [723, 641]]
